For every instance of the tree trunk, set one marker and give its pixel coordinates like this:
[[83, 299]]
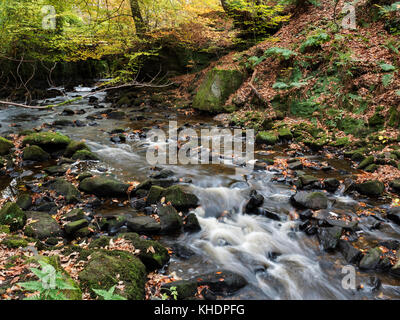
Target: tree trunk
[[140, 25]]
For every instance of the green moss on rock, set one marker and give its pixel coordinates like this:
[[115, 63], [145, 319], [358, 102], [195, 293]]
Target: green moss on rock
[[12, 216], [84, 155], [35, 153], [218, 85], [106, 269], [48, 141], [14, 242], [5, 146], [75, 146], [267, 137]]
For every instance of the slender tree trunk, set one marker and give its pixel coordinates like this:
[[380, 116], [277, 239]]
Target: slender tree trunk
[[225, 6], [140, 25]]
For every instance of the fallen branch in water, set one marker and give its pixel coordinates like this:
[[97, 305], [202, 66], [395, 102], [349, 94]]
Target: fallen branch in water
[[127, 85]]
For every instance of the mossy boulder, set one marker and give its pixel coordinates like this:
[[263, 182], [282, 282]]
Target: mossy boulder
[[180, 199], [5, 146], [185, 288], [48, 141], [285, 134], [267, 137], [154, 195], [366, 162], [4, 229], [12, 216], [371, 188], [317, 144], [104, 186], [371, 259], [66, 189], [341, 142], [106, 269], [171, 221], [24, 201], [75, 146], [84, 155], [41, 226], [71, 227], [14, 242], [74, 215], [395, 185], [152, 260], [35, 153], [216, 88], [310, 200]]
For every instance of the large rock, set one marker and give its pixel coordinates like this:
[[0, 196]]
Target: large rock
[[394, 214], [41, 226], [170, 220], [72, 227], [372, 188], [222, 282], [106, 269], [351, 254], [180, 199], [64, 188], [143, 224], [84, 155], [310, 200], [11, 215], [329, 237], [216, 88], [5, 146], [75, 146], [104, 186], [48, 141], [371, 259], [35, 153], [185, 288], [395, 185], [152, 253]]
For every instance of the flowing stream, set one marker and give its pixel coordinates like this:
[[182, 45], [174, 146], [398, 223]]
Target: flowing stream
[[278, 260]]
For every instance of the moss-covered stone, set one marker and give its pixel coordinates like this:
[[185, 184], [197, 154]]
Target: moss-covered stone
[[267, 137], [285, 134], [106, 269], [12, 216], [75, 146], [372, 188], [35, 153], [84, 155], [5, 146], [218, 85], [171, 221], [14, 242], [154, 195], [317, 144], [180, 199], [66, 189], [48, 141], [41, 226], [24, 201], [71, 227], [104, 186], [366, 162], [4, 229], [372, 168], [74, 215], [152, 260], [341, 142]]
